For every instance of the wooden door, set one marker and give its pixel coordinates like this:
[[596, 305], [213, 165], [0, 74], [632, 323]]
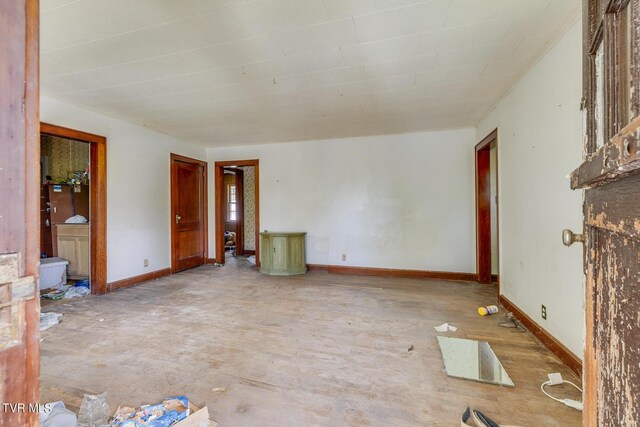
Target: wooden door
[[484, 248], [61, 208], [61, 203], [19, 212], [239, 212], [610, 176], [188, 213]]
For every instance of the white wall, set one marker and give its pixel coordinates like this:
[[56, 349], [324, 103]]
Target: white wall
[[395, 201], [540, 142], [138, 187]]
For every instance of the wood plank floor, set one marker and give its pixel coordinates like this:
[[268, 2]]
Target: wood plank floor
[[312, 350]]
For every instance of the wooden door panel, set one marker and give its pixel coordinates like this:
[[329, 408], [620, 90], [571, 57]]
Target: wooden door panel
[[190, 185], [280, 253], [61, 201], [266, 249], [297, 253], [190, 243], [81, 201], [616, 337]]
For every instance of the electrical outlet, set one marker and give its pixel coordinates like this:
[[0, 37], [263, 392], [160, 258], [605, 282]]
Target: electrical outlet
[[146, 262], [344, 257], [544, 312]]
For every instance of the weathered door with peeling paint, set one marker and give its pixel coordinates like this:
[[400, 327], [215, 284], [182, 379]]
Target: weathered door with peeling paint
[[19, 213], [610, 176]]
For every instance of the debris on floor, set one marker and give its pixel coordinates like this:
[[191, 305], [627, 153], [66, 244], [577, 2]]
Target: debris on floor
[[410, 348], [488, 310], [76, 292], [94, 411], [219, 389], [175, 411], [56, 292], [252, 259], [475, 418], [510, 323], [78, 289], [48, 320], [445, 327], [55, 414]]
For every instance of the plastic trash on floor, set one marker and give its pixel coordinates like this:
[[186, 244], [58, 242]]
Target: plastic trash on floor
[[174, 411], [55, 414], [56, 292], [76, 292], [94, 411], [84, 283], [252, 259], [48, 320]]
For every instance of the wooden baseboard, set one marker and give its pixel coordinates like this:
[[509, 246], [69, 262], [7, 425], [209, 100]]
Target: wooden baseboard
[[210, 261], [131, 281], [392, 272], [567, 356], [248, 252]]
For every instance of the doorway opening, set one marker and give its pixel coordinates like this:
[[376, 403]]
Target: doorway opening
[[237, 210], [189, 227], [73, 208], [487, 248]]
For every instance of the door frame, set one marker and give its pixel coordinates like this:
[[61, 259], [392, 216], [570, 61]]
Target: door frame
[[98, 199], [205, 208], [483, 208], [219, 205]]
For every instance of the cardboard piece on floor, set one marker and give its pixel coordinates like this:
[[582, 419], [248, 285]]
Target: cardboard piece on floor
[[199, 418]]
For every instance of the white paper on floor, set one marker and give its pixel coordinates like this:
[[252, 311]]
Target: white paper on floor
[[48, 320], [445, 327]]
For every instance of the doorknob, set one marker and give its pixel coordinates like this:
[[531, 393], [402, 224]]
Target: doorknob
[[569, 237], [178, 218]]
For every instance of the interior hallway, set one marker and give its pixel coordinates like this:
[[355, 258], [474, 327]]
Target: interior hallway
[[312, 350]]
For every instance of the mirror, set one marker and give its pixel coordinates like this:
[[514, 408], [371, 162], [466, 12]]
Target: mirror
[[472, 360]]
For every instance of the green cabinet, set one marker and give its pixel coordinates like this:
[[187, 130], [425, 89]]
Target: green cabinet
[[282, 254]]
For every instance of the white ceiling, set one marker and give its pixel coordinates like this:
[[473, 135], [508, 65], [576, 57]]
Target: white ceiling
[[237, 72]]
